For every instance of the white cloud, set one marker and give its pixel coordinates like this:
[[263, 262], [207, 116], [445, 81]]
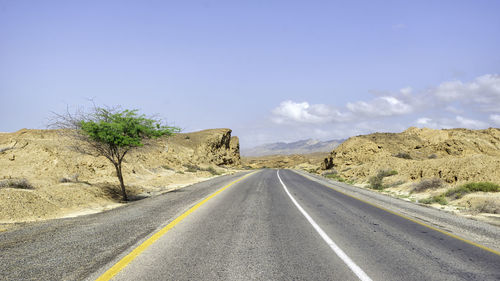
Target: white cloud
[[383, 106], [303, 112], [406, 91], [424, 121], [432, 124], [448, 123], [450, 104], [450, 91], [484, 92], [470, 123], [495, 118]]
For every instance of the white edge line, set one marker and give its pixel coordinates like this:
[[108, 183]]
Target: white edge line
[[341, 254]]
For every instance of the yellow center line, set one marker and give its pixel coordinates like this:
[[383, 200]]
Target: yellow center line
[[121, 264], [412, 220]]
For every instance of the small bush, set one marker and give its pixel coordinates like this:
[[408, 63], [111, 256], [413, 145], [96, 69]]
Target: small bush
[[404, 155], [212, 171], [16, 183], [426, 184], [376, 181], [461, 191], [387, 173], [166, 167], [457, 192], [435, 199], [482, 186], [192, 168], [334, 176], [64, 180], [432, 156]]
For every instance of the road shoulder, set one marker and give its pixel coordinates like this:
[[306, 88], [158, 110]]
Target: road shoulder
[[472, 230]]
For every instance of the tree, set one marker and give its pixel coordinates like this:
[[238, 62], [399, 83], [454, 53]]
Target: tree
[[112, 133]]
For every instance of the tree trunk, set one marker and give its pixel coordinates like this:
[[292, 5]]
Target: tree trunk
[[120, 177]]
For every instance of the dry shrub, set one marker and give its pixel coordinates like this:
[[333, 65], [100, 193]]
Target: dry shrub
[[376, 181], [489, 206], [16, 183], [403, 155], [426, 184]]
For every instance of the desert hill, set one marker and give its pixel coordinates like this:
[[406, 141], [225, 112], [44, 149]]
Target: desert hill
[[299, 147], [310, 161], [454, 155], [41, 177], [425, 165]]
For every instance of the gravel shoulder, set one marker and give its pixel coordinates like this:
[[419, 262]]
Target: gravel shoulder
[[475, 231]]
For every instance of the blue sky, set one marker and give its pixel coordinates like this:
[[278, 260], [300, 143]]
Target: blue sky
[[269, 70]]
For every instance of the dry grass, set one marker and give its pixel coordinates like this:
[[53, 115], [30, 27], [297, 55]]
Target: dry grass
[[376, 181], [403, 155], [427, 184], [461, 191], [489, 206], [16, 183]]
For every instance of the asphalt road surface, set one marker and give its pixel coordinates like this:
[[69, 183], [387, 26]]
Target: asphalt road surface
[[268, 226]]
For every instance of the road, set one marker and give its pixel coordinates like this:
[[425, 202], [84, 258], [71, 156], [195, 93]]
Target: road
[[268, 226]]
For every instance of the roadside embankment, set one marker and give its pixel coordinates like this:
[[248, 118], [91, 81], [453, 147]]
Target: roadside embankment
[[41, 177]]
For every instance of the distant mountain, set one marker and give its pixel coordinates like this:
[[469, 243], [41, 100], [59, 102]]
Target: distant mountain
[[298, 147]]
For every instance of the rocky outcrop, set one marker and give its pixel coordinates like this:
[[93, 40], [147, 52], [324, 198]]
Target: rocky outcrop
[[214, 146], [454, 155], [45, 155], [41, 177]]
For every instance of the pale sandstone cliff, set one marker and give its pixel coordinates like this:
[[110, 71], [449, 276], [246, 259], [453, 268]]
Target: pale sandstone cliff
[[64, 181]]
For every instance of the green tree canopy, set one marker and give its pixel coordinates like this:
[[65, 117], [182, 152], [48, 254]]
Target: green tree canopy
[[113, 133], [123, 128]]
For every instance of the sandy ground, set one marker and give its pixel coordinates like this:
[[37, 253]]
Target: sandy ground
[[478, 206], [42, 176], [64, 200]]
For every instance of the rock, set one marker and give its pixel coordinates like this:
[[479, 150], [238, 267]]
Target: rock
[[453, 155]]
